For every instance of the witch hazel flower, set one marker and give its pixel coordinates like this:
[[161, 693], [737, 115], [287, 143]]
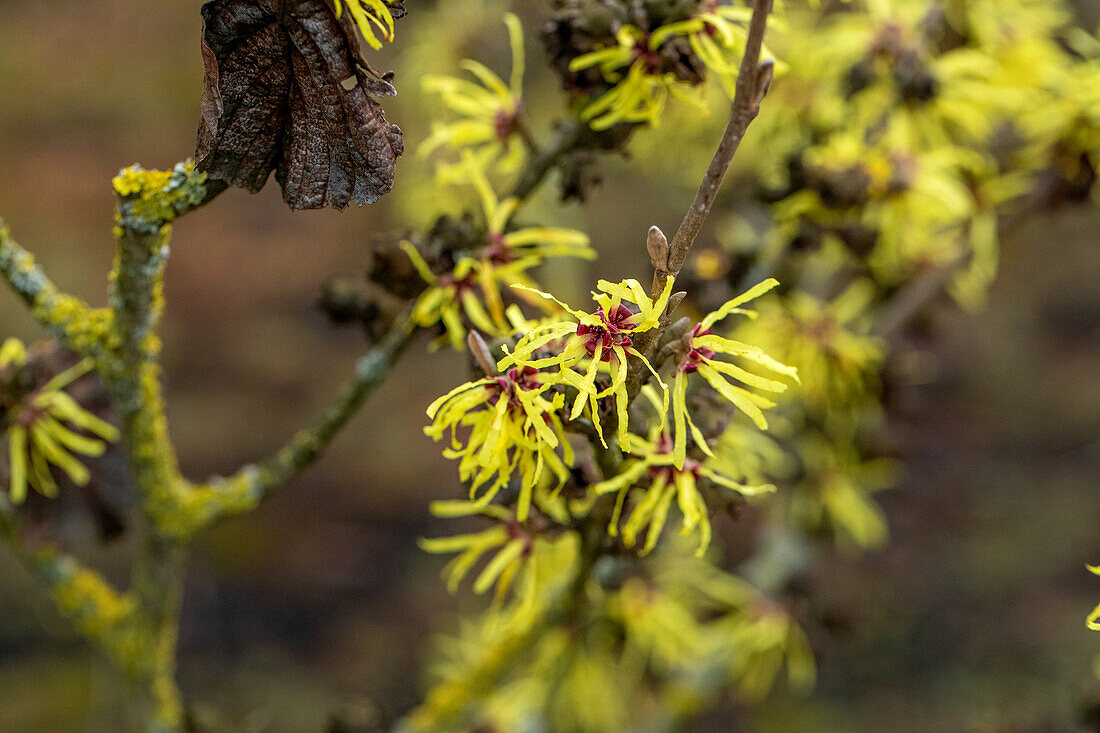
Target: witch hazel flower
[[699, 351], [487, 113], [471, 293], [593, 341], [458, 297], [47, 428], [508, 544], [656, 483], [511, 430]]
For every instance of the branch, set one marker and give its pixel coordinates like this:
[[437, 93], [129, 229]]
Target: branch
[[540, 165], [72, 321], [148, 203], [137, 630], [103, 615], [912, 299], [222, 497], [753, 81]]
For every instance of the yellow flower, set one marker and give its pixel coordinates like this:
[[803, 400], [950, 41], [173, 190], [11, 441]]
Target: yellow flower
[[457, 296], [758, 642], [836, 491], [513, 430], [700, 347], [43, 430], [518, 552], [1094, 617], [656, 465], [640, 95], [510, 546], [689, 616], [602, 339], [829, 344], [715, 35], [489, 126], [374, 20], [472, 288]]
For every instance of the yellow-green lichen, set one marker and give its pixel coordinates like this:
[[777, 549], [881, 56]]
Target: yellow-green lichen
[[103, 615], [78, 326], [150, 199]]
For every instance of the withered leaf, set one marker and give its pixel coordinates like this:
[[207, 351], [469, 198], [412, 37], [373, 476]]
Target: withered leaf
[[286, 90]]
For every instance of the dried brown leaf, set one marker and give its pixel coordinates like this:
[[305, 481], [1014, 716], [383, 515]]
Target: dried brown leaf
[[286, 90]]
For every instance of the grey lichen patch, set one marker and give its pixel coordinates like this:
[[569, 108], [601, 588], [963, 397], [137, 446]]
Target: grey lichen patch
[[148, 200]]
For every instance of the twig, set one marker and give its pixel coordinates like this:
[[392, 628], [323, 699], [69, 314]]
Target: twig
[[912, 299], [71, 320], [753, 81], [254, 482], [541, 164]]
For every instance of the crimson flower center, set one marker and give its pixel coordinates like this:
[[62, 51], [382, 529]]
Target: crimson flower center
[[611, 333], [664, 447], [511, 383], [505, 123], [450, 281], [497, 250], [648, 56], [696, 354]]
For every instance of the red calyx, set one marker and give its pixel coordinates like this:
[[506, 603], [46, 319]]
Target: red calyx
[[664, 447], [696, 354], [650, 57], [511, 382], [448, 280], [504, 124], [497, 251], [612, 333]]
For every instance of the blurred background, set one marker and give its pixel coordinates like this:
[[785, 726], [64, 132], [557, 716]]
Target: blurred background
[[971, 618]]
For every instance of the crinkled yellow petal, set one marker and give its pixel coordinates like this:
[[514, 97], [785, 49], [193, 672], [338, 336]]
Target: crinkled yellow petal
[[624, 480], [418, 262], [507, 554], [17, 463], [730, 305], [741, 398]]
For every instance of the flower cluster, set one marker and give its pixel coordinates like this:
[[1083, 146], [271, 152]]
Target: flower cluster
[[664, 52], [513, 422], [45, 426], [903, 136], [656, 465], [679, 627], [900, 133], [471, 291], [488, 123], [576, 350]]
